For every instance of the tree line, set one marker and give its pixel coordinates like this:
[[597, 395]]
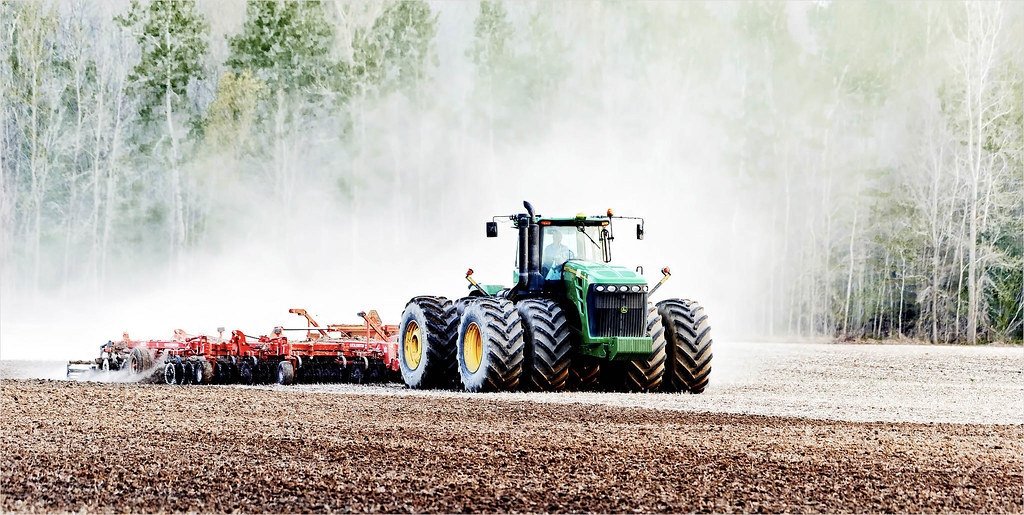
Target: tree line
[[873, 150]]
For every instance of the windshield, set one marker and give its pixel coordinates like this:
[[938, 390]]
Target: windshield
[[562, 243]]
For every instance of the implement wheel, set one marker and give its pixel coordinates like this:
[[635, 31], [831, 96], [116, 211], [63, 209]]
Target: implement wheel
[[203, 372], [688, 335], [646, 375], [139, 361], [426, 344], [171, 373], [491, 345], [285, 373], [546, 335], [245, 375]]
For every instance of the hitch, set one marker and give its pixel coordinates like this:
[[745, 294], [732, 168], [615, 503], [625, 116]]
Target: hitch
[[666, 274]]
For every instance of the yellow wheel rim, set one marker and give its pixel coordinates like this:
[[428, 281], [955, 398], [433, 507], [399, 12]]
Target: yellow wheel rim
[[472, 348], [412, 346]]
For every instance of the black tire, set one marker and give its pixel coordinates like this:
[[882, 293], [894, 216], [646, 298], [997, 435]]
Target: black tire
[[139, 362], [584, 373], [188, 374], [647, 375], [170, 374], [285, 373], [203, 372], [428, 323], [226, 372], [546, 336], [688, 334], [460, 305], [245, 375], [497, 354]]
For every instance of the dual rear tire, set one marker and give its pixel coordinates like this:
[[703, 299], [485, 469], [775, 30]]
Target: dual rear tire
[[426, 345], [490, 346]]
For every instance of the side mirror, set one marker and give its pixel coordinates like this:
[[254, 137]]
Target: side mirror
[[606, 249], [639, 231], [492, 229]]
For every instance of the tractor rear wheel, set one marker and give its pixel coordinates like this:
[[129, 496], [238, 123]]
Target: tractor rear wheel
[[490, 345], [426, 344], [688, 335], [646, 375], [546, 333]]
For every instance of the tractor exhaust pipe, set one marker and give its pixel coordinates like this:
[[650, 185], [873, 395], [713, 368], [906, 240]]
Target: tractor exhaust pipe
[[524, 269], [533, 259]]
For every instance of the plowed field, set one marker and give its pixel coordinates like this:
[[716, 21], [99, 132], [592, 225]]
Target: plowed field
[[95, 447]]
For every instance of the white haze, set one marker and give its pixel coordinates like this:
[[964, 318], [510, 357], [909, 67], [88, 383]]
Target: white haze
[[646, 145]]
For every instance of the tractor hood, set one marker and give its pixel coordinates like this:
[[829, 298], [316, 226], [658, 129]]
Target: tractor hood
[[600, 273]]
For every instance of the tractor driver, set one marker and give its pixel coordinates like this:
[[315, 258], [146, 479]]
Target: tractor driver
[[555, 255]]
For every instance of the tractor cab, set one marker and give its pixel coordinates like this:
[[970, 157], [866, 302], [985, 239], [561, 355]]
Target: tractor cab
[[567, 239]]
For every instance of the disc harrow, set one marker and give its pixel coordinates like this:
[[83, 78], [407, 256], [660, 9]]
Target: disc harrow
[[356, 353]]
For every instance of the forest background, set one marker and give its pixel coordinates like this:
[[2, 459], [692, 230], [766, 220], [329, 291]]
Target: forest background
[[809, 170]]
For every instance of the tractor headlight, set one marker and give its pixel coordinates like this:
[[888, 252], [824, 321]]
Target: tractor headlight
[[599, 287], [623, 288], [634, 288]]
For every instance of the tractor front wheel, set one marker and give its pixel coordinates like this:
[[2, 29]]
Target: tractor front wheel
[[426, 344], [688, 334], [584, 372], [490, 345], [546, 332]]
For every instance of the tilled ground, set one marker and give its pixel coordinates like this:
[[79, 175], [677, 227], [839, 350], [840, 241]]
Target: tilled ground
[[141, 448]]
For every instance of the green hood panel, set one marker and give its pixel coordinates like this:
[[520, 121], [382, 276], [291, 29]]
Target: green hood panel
[[600, 273]]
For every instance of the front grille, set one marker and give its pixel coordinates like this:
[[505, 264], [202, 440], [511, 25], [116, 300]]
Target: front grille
[[607, 318]]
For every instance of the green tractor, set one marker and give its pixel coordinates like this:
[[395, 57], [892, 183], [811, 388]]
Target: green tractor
[[570, 320]]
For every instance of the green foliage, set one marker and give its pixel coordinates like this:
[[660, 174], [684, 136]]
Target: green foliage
[[172, 39], [231, 115], [491, 48], [286, 44], [397, 52]]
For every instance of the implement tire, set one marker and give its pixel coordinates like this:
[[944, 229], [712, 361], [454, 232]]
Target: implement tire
[[207, 369], [285, 373], [139, 362], [426, 343], [546, 337], [688, 335], [647, 375], [170, 373], [490, 346]]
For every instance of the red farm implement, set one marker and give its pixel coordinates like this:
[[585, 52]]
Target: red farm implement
[[366, 352]]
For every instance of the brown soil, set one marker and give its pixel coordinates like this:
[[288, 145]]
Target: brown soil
[[143, 448]]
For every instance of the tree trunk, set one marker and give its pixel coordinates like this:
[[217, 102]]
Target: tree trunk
[[849, 276]]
